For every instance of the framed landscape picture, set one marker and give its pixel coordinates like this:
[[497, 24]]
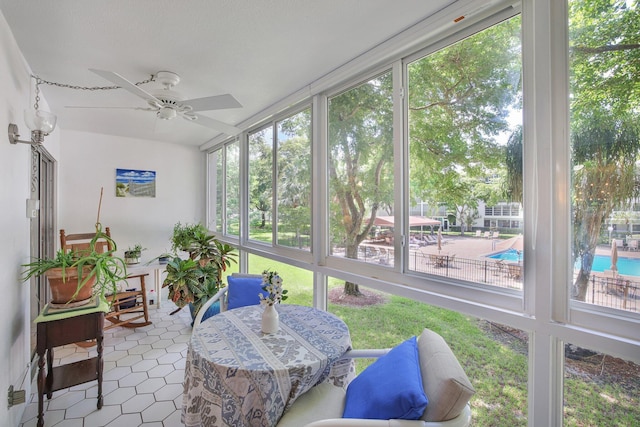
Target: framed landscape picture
[[135, 183]]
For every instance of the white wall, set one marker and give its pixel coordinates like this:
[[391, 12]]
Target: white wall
[[85, 162], [89, 161], [15, 161]]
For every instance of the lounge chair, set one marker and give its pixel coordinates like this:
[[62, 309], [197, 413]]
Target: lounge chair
[[478, 233], [431, 240]]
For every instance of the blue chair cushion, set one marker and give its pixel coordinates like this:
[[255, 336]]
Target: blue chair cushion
[[389, 388], [212, 310], [244, 291]]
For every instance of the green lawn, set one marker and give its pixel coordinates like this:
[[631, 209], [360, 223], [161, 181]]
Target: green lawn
[[497, 370]]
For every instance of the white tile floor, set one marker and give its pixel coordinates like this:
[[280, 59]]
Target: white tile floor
[[142, 383]]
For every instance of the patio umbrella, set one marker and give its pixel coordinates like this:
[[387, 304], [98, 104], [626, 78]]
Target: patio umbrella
[[414, 221], [439, 239], [614, 255]]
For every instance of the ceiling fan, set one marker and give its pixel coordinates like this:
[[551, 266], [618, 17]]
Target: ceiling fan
[[168, 104]]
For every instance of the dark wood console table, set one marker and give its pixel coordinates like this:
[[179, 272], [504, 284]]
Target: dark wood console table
[[58, 329]]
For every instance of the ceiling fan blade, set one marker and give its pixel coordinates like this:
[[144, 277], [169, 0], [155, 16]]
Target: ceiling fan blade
[[216, 125], [125, 84], [111, 108], [217, 102]]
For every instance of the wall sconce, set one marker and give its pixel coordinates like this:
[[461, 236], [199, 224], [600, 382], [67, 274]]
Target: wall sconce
[[41, 123]]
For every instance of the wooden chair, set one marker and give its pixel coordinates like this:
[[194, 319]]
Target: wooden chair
[[128, 307]]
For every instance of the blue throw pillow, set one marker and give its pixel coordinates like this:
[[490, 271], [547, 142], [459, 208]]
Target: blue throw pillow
[[244, 291], [390, 388]]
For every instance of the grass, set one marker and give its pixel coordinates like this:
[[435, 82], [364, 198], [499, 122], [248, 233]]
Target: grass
[[497, 369]]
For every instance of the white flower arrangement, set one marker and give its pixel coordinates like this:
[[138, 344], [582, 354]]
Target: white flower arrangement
[[273, 285]]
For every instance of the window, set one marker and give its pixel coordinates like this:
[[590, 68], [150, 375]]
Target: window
[[293, 183], [224, 191], [605, 140], [216, 182], [360, 171], [261, 185], [462, 158], [232, 189], [465, 117]]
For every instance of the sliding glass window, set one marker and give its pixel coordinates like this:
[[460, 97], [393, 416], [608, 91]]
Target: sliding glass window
[[293, 181], [261, 185], [223, 213], [360, 172], [604, 65], [465, 159]]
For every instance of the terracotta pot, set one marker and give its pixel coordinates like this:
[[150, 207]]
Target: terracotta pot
[[62, 290]]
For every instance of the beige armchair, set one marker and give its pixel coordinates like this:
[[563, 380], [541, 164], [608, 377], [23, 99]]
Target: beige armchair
[[444, 381]]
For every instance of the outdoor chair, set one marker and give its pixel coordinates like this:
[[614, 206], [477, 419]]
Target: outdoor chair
[[129, 304], [478, 233], [632, 244], [514, 271], [390, 388], [451, 260], [241, 290]]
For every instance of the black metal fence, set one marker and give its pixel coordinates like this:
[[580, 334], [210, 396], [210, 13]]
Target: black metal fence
[[620, 292], [616, 292]]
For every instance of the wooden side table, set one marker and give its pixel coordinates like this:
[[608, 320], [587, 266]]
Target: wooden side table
[[57, 329]]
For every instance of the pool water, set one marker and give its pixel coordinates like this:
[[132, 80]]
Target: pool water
[[508, 255], [626, 266]]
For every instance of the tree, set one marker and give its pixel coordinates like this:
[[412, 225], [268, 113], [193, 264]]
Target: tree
[[605, 113], [294, 176], [459, 101], [360, 162], [260, 172]]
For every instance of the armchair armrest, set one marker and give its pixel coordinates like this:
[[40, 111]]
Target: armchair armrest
[[462, 420], [365, 353]]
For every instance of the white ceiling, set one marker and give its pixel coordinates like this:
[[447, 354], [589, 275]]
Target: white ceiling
[[259, 51]]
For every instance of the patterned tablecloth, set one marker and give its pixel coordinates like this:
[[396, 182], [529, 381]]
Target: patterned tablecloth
[[237, 376]]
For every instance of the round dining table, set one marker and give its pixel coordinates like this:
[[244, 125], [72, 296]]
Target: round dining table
[[237, 376]]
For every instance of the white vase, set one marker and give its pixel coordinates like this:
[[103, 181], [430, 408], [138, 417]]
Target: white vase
[[270, 320]]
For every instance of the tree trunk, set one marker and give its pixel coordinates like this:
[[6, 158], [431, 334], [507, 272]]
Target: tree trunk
[[352, 289], [351, 251]]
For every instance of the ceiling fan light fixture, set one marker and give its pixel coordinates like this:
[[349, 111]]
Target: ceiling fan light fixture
[[166, 113]]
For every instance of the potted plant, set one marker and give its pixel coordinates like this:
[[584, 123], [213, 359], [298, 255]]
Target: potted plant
[[194, 280], [77, 275], [132, 255], [184, 236]]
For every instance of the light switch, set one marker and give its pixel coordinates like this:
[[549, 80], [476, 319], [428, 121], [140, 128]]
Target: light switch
[[33, 206]]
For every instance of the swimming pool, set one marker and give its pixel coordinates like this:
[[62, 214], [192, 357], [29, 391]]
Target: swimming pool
[[626, 266], [508, 255]]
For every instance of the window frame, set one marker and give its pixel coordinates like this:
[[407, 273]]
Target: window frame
[[544, 308]]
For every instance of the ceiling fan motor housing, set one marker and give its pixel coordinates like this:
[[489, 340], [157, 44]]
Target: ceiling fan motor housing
[[167, 79]]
